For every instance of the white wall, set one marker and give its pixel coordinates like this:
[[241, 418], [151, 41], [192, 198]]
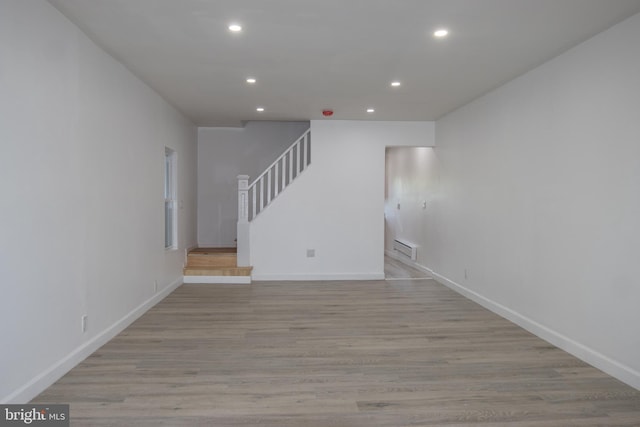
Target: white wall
[[225, 153], [336, 206], [540, 201], [81, 165], [411, 182]]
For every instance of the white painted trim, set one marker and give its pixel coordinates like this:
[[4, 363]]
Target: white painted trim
[[612, 367], [217, 279], [185, 259], [318, 277], [52, 374], [406, 261]]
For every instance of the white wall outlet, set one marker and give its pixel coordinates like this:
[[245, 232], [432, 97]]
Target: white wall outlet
[[424, 204], [311, 253], [83, 322], [466, 276], [155, 286]]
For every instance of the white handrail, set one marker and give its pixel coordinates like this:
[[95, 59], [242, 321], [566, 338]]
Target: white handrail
[[279, 158], [266, 187], [252, 199]]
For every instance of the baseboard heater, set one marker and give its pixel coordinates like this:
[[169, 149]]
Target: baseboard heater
[[406, 248]]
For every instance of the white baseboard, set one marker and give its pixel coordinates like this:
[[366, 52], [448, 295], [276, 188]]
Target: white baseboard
[[318, 277], [217, 279], [49, 376], [612, 367], [409, 262]]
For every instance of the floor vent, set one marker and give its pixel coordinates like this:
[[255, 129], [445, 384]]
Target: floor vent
[[406, 248]]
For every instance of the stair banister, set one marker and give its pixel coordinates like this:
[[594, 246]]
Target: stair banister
[[298, 141], [243, 255], [252, 198], [275, 178]]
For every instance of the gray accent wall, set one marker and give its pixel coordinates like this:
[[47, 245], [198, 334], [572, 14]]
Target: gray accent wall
[[225, 153]]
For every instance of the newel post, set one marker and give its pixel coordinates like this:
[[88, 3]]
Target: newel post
[[243, 221]]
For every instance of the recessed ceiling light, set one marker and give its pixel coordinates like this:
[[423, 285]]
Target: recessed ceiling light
[[235, 28], [260, 109], [440, 33], [395, 84], [370, 110], [251, 80]]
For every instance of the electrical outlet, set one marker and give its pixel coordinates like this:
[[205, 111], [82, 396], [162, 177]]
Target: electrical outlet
[[83, 322], [155, 286], [466, 276], [311, 253]]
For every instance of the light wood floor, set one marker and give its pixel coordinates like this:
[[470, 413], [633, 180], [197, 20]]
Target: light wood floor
[[341, 354], [394, 269]]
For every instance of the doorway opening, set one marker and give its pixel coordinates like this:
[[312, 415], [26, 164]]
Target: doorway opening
[[410, 190]]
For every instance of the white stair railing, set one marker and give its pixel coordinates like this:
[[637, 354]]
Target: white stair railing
[[242, 229], [265, 188], [255, 197]]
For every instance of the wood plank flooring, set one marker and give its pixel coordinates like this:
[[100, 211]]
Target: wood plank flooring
[[394, 269], [343, 354]]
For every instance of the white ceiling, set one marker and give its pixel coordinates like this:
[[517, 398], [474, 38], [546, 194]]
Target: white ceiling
[[339, 54]]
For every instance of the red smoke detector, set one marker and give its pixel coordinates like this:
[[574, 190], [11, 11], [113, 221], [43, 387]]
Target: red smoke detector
[[327, 113]]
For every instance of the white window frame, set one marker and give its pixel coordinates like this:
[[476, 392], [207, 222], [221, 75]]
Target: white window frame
[[170, 200]]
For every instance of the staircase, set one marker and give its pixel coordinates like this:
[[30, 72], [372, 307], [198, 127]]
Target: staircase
[[232, 265], [215, 265], [256, 197]]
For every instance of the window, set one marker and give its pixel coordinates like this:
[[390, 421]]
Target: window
[[170, 211]]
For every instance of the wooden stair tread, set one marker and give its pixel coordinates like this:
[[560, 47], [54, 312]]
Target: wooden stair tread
[[212, 257], [212, 251], [214, 262], [217, 271], [212, 254]]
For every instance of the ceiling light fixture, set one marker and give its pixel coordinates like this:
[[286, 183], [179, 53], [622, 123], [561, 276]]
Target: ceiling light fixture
[[260, 109], [235, 28], [251, 80], [370, 110], [440, 33], [395, 84]]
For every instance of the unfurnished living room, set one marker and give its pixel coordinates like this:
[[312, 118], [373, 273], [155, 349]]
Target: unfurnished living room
[[320, 213]]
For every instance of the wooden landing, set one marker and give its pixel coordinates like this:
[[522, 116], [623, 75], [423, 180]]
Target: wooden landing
[[215, 265]]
